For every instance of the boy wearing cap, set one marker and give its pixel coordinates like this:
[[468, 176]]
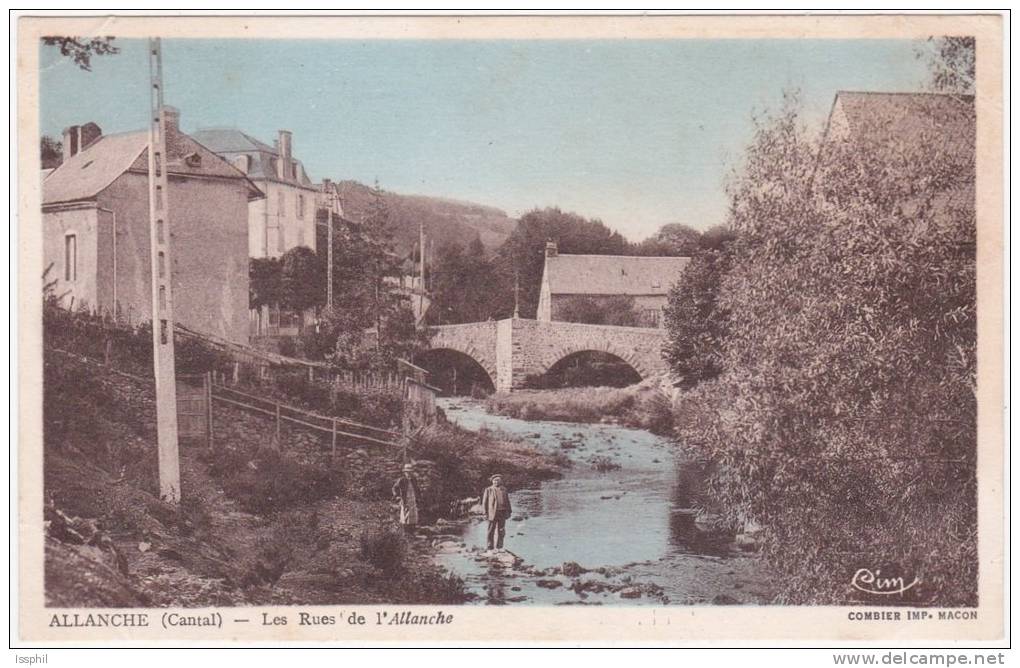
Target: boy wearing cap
[[496, 503], [407, 491]]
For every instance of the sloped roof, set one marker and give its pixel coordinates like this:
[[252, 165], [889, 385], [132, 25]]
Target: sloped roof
[[612, 274], [232, 143], [230, 140], [896, 119], [87, 173]]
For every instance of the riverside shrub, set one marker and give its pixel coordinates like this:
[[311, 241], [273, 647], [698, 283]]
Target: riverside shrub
[[844, 419]]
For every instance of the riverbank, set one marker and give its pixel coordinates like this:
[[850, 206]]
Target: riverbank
[[260, 522], [640, 406]]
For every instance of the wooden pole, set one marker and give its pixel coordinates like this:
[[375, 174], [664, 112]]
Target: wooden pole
[[331, 197], [421, 265], [208, 410], [334, 437], [277, 426]]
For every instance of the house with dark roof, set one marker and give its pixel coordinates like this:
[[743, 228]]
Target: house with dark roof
[[285, 218], [646, 280], [95, 217]]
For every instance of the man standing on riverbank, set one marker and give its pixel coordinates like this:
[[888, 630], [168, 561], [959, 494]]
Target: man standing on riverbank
[[496, 504]]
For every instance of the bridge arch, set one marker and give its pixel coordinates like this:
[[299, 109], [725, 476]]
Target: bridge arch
[[589, 368], [443, 362], [571, 348]]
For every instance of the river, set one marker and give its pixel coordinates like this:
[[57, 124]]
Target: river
[[625, 535]]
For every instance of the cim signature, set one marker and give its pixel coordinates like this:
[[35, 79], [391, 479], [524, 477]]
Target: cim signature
[[871, 582]]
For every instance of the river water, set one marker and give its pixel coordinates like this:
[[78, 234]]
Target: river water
[[630, 528]]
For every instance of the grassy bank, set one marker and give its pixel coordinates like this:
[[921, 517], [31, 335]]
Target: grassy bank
[[258, 524], [642, 406]]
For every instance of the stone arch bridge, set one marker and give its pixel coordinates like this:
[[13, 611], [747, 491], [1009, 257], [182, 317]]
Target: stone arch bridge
[[511, 350]]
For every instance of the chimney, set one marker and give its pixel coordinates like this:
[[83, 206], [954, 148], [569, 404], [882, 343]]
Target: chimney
[[551, 249], [70, 142], [172, 121], [77, 138], [88, 134], [284, 147], [172, 118]]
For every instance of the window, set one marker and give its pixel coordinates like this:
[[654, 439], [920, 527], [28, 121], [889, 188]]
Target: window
[[281, 204], [71, 257], [652, 316], [300, 206]]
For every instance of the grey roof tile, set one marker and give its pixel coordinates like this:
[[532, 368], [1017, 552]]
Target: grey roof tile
[[612, 274]]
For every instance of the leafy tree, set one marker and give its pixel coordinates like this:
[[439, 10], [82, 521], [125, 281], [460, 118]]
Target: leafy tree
[[51, 152], [672, 240], [951, 64], [844, 421], [464, 283], [370, 321], [302, 279], [82, 49], [523, 254], [264, 282], [618, 310], [696, 324]]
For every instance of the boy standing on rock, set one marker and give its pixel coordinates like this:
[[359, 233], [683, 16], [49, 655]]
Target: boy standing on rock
[[496, 504]]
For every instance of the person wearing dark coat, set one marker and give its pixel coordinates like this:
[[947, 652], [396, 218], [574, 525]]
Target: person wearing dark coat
[[496, 505], [406, 491]]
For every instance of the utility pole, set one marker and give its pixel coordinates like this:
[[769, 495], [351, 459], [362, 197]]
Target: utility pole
[[517, 299], [330, 203], [421, 259], [161, 267], [432, 257]]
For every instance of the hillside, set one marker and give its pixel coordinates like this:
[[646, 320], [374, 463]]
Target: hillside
[[445, 220], [261, 521]]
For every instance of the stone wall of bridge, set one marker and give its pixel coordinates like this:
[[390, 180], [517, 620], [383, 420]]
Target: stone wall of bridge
[[477, 340], [511, 350]]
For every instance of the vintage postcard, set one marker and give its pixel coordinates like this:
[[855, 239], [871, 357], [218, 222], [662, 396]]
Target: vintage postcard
[[510, 330]]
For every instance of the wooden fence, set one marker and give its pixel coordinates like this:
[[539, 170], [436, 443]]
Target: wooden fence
[[194, 406], [332, 426]]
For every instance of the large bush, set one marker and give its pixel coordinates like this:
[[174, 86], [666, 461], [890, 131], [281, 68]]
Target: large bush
[[696, 324], [844, 421]]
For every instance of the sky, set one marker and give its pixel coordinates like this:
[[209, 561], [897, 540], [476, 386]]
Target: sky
[[636, 133]]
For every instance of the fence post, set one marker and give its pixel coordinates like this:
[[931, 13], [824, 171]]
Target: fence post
[[278, 426], [333, 421], [311, 374], [237, 371], [106, 351], [208, 409]]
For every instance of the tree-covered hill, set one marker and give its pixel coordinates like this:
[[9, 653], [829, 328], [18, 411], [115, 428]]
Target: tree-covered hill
[[445, 220]]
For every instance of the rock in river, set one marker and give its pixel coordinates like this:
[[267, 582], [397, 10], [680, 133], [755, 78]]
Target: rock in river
[[548, 584]]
